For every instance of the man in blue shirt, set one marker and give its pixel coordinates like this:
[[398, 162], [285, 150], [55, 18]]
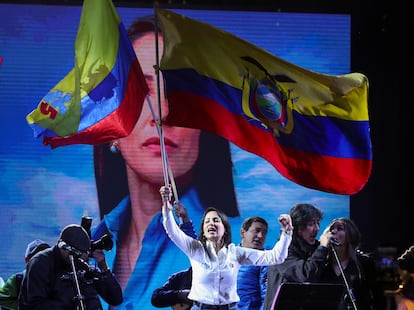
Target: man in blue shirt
[[251, 280]]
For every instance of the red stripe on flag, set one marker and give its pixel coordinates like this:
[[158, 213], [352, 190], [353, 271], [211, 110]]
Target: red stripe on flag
[[117, 124], [306, 169]]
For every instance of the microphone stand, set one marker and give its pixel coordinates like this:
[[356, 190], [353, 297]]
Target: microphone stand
[[348, 288], [79, 296]]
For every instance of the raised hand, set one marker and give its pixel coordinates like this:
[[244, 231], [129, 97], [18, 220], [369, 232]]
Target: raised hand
[[286, 223], [166, 193]]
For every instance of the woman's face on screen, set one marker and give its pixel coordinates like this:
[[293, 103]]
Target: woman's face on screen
[[141, 149]]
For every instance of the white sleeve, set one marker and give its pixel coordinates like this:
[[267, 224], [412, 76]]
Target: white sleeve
[[274, 256], [173, 231]]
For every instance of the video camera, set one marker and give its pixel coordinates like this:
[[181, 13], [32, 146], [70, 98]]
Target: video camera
[[104, 243]]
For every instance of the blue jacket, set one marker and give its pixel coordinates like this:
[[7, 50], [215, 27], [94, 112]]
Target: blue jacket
[[251, 287]]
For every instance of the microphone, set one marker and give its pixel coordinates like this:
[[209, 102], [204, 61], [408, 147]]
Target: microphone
[[334, 242], [71, 250]]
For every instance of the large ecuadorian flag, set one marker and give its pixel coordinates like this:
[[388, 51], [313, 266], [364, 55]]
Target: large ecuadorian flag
[[101, 98], [313, 128]]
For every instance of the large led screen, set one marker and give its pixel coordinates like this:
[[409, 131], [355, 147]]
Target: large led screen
[[42, 190]]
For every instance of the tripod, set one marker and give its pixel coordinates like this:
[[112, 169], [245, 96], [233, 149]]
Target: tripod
[[79, 297]]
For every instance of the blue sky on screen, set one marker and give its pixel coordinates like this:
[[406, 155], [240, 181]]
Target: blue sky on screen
[[44, 189]]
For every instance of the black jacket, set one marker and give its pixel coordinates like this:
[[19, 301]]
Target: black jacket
[[49, 284], [171, 292], [361, 277], [310, 263], [304, 263]]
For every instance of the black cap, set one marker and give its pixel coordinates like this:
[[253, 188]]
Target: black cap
[[76, 236], [35, 246]]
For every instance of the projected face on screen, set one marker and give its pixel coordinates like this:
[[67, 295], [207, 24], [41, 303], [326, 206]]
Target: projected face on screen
[[120, 190], [141, 149]]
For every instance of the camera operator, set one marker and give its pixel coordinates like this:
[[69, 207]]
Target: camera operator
[[61, 277]]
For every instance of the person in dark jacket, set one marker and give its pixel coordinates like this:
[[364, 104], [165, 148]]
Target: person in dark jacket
[[9, 292], [404, 294], [61, 277], [312, 260], [307, 255], [174, 292], [358, 268]]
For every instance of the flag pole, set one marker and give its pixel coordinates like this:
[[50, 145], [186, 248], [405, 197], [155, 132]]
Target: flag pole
[[164, 155], [167, 171], [158, 120]]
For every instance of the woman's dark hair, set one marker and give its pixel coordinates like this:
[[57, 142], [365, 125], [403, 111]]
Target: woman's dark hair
[[353, 238], [227, 229], [353, 235], [302, 214]]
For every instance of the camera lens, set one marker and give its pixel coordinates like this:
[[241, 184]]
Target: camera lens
[[105, 243]]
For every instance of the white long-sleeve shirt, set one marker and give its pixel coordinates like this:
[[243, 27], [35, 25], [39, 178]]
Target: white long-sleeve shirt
[[215, 275]]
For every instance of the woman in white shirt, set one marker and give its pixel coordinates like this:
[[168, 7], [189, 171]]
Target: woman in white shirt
[[215, 259]]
